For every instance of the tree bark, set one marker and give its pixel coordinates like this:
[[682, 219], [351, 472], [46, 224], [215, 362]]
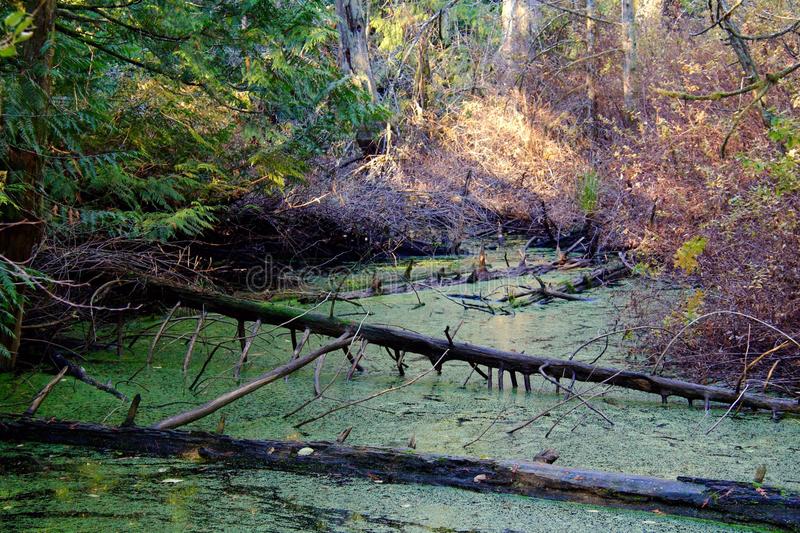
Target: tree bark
[[17, 242], [353, 46], [520, 20], [433, 349], [721, 500], [630, 59], [591, 72]]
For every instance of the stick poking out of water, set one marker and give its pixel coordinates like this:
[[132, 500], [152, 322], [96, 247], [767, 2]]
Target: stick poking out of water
[[265, 379]]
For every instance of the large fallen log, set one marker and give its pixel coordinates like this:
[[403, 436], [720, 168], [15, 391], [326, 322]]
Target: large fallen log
[[445, 280], [723, 500], [433, 348]]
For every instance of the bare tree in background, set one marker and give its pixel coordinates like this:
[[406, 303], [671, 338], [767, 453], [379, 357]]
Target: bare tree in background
[[724, 16], [354, 50], [630, 59], [521, 20], [591, 68]]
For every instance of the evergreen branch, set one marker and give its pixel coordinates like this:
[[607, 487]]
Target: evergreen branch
[[76, 7], [141, 31], [155, 69]]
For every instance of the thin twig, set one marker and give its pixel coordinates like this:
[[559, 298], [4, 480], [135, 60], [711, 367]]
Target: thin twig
[[730, 408], [372, 396], [160, 332]]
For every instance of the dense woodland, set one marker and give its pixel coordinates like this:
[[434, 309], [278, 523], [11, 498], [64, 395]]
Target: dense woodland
[[158, 152]]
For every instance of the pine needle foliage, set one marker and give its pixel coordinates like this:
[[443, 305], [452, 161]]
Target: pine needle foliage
[[158, 112]]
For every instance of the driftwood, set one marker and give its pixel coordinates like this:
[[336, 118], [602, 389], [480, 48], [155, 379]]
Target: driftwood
[[722, 500], [431, 347], [548, 456], [567, 291], [546, 291], [297, 348], [161, 329], [132, 410], [247, 345]]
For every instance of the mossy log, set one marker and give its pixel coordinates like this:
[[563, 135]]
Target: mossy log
[[568, 290], [433, 349], [723, 500], [443, 280]]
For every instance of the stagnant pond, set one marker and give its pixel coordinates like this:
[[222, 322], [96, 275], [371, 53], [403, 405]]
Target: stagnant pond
[[59, 488]]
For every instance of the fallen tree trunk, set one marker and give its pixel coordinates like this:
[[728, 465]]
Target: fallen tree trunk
[[723, 500], [445, 280], [433, 348], [567, 290]]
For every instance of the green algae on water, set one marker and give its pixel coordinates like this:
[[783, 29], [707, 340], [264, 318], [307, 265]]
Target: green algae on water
[[79, 489]]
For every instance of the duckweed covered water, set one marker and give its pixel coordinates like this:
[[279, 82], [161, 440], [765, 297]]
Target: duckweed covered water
[[52, 487]]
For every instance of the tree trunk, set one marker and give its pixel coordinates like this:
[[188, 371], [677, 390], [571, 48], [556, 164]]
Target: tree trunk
[[433, 349], [354, 61], [630, 59], [721, 500], [520, 19], [353, 49], [591, 72], [422, 76], [743, 55], [26, 164]]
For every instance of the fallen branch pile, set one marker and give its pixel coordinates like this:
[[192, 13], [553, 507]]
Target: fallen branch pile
[[723, 500], [442, 279], [567, 290]]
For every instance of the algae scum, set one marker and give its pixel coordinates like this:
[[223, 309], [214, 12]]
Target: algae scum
[[59, 488]]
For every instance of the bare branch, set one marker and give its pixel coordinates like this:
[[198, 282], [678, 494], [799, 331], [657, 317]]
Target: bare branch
[[265, 379]]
